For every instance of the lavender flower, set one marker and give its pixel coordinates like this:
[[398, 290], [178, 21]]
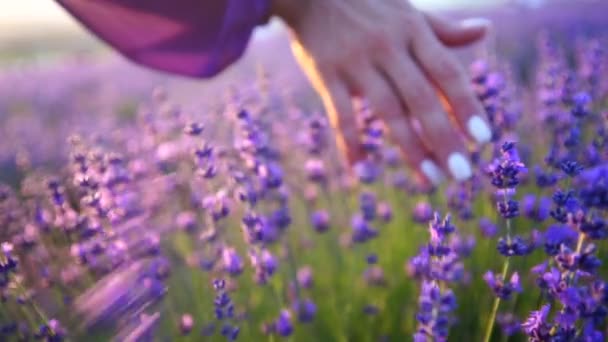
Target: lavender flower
[[224, 310], [367, 205], [509, 323], [384, 211], [194, 128], [434, 313], [543, 179], [506, 171], [305, 310], [264, 264], [508, 209], [361, 230], [186, 323], [439, 262], [487, 227], [367, 172], [374, 276], [320, 221], [571, 168], [315, 169], [87, 239], [232, 262], [8, 264], [304, 277], [51, 331], [515, 246], [283, 325], [536, 326], [534, 209], [503, 289], [557, 235], [581, 105], [423, 212]]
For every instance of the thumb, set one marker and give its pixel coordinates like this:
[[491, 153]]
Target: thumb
[[455, 34]]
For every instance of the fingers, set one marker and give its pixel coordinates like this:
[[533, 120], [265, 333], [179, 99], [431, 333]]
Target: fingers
[[458, 34], [431, 121], [338, 104], [385, 103], [448, 75]]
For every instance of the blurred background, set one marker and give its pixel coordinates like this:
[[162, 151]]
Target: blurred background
[[44, 51], [57, 80], [39, 31], [34, 29], [39, 40]]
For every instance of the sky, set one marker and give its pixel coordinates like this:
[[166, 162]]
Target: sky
[[18, 15]]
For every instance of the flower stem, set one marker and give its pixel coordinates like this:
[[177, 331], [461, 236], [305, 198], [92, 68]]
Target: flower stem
[[579, 247], [293, 268], [505, 270], [490, 325], [37, 310], [579, 242]]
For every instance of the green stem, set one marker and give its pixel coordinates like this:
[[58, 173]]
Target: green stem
[[275, 295], [37, 310], [579, 243], [579, 247], [505, 270], [490, 325], [293, 268]]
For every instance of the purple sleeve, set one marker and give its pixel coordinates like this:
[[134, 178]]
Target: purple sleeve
[[189, 37]]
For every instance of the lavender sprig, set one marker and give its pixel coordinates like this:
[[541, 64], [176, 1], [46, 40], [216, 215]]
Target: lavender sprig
[[505, 175]]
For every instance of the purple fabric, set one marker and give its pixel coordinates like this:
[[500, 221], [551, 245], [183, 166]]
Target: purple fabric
[[196, 38]]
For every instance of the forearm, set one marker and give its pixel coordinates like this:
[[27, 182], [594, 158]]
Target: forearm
[[188, 37]]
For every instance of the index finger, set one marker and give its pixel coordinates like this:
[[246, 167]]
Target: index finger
[[449, 76], [339, 107]]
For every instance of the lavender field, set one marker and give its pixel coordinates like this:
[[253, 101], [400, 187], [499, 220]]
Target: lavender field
[[136, 206]]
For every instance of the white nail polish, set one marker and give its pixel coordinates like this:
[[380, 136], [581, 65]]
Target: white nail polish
[[479, 129], [432, 171], [475, 23], [459, 166]]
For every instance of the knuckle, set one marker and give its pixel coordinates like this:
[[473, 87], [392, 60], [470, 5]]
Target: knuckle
[[421, 95], [413, 20], [449, 70], [380, 43], [440, 127], [390, 108], [327, 66], [464, 101], [396, 125], [383, 102], [327, 63]]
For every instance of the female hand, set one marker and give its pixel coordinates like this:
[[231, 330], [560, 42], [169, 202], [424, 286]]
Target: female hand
[[394, 57]]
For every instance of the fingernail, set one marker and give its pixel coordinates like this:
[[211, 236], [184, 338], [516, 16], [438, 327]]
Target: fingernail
[[475, 23], [432, 172], [479, 129], [459, 166]]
